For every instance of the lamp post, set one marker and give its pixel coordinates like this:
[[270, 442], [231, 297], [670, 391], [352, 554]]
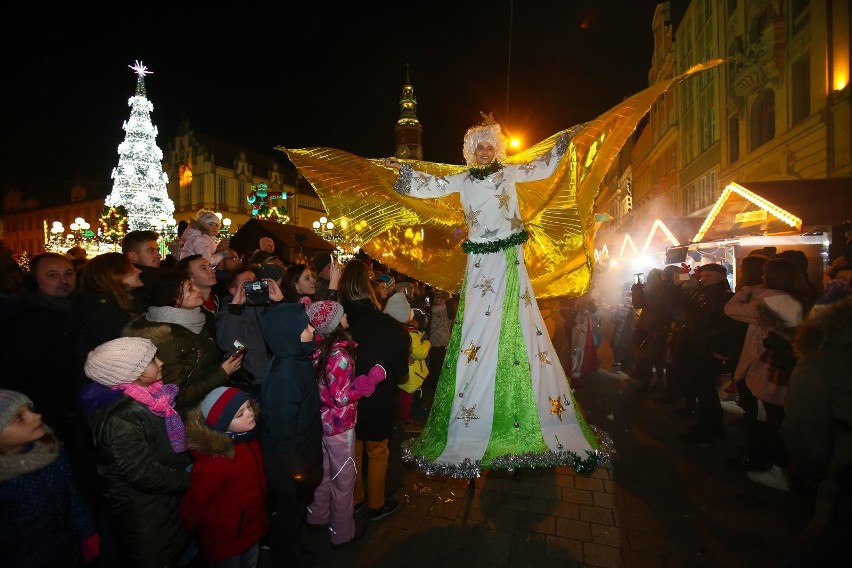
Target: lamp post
[[167, 227]]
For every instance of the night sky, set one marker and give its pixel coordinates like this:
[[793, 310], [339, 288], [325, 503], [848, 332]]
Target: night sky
[[322, 76]]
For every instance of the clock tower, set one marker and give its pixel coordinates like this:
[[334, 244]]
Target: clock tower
[[408, 129]]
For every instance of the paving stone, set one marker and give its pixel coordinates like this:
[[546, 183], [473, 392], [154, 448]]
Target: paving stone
[[570, 528], [600, 555], [597, 515], [577, 496]]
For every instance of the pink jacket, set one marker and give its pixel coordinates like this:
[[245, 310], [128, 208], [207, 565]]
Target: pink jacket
[[339, 391]]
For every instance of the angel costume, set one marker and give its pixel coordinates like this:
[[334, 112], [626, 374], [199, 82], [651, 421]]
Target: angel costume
[[502, 400]]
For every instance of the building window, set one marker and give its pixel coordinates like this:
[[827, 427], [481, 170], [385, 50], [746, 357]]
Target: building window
[[800, 85], [199, 192], [733, 139], [242, 195], [711, 186], [763, 119], [223, 195]]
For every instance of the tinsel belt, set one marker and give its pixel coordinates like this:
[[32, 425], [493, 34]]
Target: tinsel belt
[[515, 239]]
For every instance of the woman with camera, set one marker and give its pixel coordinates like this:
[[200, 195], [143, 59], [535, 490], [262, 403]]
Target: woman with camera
[[175, 324]]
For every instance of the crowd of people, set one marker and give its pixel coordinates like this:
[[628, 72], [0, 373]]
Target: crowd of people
[[776, 343], [188, 410]]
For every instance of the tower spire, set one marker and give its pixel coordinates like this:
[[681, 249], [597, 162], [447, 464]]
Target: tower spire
[[408, 129]]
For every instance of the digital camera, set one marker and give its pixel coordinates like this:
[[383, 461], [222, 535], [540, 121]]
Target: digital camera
[[257, 292]]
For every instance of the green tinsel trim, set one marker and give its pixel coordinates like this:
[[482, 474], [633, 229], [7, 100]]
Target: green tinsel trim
[[513, 240], [482, 172]]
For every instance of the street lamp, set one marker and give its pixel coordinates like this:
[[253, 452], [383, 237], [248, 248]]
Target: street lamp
[[323, 226]]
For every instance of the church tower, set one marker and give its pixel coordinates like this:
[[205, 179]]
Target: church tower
[[408, 129]]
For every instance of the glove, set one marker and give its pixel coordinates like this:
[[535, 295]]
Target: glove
[[91, 548], [366, 384]]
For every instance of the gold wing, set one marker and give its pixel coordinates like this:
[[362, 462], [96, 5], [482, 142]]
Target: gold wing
[[422, 237]]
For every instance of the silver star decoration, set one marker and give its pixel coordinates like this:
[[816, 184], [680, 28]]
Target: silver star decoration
[[467, 414], [528, 167], [527, 298], [441, 182], [503, 199], [498, 178], [422, 181], [140, 69], [543, 358], [487, 234], [546, 158], [473, 217], [515, 221], [485, 285]]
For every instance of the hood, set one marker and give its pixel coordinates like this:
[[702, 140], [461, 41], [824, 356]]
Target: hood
[[779, 310], [201, 438], [95, 396], [830, 325], [282, 327]]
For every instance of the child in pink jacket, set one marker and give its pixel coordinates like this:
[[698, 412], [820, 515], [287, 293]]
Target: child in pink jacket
[[339, 391]]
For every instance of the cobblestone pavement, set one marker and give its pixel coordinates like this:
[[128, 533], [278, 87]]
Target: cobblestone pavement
[[660, 502]]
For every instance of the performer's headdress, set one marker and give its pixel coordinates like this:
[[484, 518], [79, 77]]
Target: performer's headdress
[[488, 131]]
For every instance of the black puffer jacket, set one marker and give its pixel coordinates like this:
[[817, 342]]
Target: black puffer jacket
[[381, 341], [290, 425], [143, 480]]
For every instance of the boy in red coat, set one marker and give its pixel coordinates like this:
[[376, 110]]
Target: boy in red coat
[[225, 505]]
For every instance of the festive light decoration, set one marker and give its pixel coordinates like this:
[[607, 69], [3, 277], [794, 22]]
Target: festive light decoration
[[114, 224], [734, 188], [140, 183], [263, 206]]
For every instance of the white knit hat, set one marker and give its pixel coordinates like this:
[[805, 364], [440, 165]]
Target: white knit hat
[[120, 361], [398, 308], [10, 402]]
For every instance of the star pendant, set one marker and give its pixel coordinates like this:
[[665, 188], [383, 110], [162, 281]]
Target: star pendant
[[543, 358], [556, 407], [467, 414]]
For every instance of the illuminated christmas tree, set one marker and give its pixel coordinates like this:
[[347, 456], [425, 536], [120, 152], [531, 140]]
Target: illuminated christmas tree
[[140, 184]]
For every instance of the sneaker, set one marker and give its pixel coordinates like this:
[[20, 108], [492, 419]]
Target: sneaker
[[390, 507], [773, 477]]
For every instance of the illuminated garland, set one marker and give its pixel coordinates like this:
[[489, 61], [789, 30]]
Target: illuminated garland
[[496, 246], [114, 224], [482, 172]]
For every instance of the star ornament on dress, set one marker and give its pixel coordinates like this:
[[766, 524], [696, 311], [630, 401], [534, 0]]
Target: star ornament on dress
[[471, 352], [473, 217], [485, 285], [527, 298], [503, 199], [556, 407], [516, 221], [544, 358], [467, 414]]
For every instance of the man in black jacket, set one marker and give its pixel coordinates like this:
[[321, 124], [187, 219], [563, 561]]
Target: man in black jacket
[[713, 344]]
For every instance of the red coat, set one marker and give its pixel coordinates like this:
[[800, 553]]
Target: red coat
[[225, 505]]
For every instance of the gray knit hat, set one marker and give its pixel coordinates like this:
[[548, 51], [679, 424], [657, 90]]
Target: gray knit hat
[[10, 402], [398, 308], [120, 361]]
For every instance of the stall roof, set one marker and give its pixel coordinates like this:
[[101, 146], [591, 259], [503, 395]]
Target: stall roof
[[778, 207], [247, 237]]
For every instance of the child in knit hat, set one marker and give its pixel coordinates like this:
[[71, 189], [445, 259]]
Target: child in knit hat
[[43, 519], [141, 446], [225, 506], [418, 368], [339, 392]]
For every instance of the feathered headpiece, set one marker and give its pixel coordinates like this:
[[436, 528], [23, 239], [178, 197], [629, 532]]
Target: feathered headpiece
[[488, 131]]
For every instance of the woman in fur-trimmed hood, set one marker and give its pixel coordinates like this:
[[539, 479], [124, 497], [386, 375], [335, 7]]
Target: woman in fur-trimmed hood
[[225, 505]]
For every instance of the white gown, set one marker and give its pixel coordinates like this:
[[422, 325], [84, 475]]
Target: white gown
[[502, 400]]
